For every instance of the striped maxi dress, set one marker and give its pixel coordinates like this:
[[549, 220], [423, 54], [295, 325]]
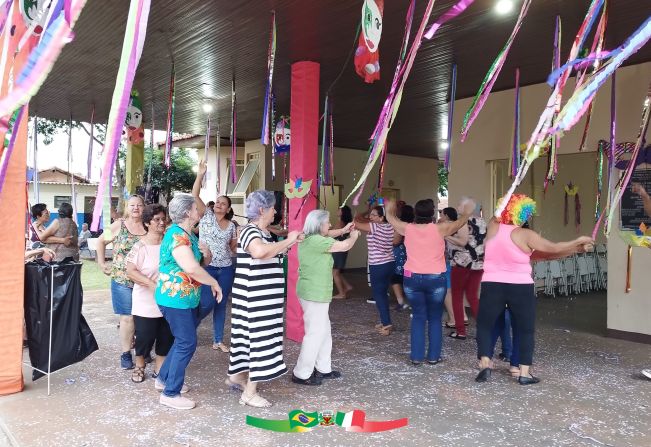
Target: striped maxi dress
[[257, 312]]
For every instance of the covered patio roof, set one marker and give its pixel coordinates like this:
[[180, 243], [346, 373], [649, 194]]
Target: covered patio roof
[[213, 41]]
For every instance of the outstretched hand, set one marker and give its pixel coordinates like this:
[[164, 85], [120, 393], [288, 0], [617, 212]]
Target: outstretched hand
[[202, 167], [585, 244]]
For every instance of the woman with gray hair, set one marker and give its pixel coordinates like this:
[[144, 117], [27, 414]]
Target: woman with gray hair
[[314, 290], [178, 292], [257, 303]]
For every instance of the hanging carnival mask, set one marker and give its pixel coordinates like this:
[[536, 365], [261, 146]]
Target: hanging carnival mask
[[297, 189], [282, 135], [367, 55], [35, 12], [133, 119]]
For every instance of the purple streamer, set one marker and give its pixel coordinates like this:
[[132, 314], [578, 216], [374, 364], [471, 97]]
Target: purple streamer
[[516, 131], [453, 95], [6, 154], [449, 14]]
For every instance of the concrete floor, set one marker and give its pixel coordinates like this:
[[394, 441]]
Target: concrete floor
[[591, 393]]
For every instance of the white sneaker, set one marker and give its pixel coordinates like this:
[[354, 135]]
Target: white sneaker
[[177, 402], [160, 386], [370, 301], [647, 373]]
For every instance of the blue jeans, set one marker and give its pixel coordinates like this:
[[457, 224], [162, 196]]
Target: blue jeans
[[510, 345], [225, 277], [380, 280], [183, 323], [426, 294]]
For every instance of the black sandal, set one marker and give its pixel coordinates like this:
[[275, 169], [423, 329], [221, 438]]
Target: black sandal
[[456, 336], [138, 374]]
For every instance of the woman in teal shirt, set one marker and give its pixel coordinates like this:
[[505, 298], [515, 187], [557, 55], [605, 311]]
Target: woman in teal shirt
[[314, 290], [178, 293]]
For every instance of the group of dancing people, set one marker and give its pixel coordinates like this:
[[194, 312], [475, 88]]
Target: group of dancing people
[[165, 279]]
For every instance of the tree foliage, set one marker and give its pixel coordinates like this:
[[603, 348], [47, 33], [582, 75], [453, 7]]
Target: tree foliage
[[180, 176], [443, 180]]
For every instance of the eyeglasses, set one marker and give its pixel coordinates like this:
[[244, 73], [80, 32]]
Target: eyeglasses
[[374, 215]]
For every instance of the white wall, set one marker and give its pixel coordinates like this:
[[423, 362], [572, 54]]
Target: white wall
[[490, 139]]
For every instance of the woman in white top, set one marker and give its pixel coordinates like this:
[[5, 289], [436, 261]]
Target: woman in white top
[[219, 233], [142, 268]]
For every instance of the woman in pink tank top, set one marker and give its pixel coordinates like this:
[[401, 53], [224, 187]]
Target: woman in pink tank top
[[507, 280], [425, 282]]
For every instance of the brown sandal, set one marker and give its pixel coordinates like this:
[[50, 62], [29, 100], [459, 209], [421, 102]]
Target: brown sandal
[[386, 330], [138, 374]]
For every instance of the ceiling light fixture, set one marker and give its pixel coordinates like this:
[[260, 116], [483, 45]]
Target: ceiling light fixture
[[445, 145], [207, 107], [504, 6]]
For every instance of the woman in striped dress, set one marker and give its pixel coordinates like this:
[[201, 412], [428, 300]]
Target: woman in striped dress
[[257, 304]]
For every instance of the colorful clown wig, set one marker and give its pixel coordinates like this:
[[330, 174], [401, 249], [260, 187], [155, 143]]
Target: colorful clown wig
[[519, 209]]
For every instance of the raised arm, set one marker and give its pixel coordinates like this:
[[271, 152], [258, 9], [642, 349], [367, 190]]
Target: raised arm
[[390, 215], [341, 231], [544, 249], [260, 250], [449, 228], [196, 187], [362, 223], [460, 238], [345, 245]]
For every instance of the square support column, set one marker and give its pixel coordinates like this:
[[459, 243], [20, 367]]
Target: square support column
[[303, 156]]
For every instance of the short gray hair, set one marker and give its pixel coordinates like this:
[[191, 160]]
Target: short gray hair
[[180, 206], [314, 220], [256, 200]]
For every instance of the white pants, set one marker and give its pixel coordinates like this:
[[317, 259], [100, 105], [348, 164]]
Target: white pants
[[316, 348]]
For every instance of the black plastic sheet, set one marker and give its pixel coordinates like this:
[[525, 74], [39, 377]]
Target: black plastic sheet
[[72, 339]]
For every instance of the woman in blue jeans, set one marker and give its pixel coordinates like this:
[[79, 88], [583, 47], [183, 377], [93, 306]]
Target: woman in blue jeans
[[424, 273], [177, 294], [218, 232], [381, 262]]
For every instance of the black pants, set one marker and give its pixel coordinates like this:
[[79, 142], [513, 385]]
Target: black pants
[[521, 301], [150, 330]]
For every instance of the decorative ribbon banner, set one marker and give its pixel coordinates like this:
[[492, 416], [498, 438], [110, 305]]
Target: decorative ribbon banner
[[494, 71], [134, 40], [299, 421], [40, 61], [453, 96], [9, 148], [167, 156], [267, 120]]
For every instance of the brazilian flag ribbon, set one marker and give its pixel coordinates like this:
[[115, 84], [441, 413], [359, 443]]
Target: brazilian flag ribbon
[[299, 421]]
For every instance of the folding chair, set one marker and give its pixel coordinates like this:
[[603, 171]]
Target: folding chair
[[570, 271], [584, 275], [540, 270], [556, 278]]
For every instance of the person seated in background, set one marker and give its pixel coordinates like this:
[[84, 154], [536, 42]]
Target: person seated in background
[[84, 235]]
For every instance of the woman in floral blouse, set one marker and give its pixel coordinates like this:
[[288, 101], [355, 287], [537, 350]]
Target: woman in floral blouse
[[218, 232], [178, 294]]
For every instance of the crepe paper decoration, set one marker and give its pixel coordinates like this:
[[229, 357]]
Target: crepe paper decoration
[[494, 71], [518, 210], [218, 145], [620, 187], [448, 137], [555, 141], [577, 105], [367, 54], [383, 159], [271, 56], [629, 266], [539, 137], [5, 156], [134, 40], [5, 7], [35, 180], [515, 151], [449, 14], [233, 136], [40, 63], [297, 188], [324, 141], [600, 184], [167, 155], [572, 191], [643, 157], [151, 155], [326, 170], [285, 216], [282, 135], [273, 146], [206, 145], [73, 190], [391, 106]]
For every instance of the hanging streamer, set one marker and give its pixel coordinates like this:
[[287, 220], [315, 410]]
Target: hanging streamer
[[206, 145], [35, 181], [555, 141], [494, 71], [9, 148], [167, 156], [600, 182], [515, 150], [151, 156], [73, 191], [273, 144], [233, 133], [89, 158], [578, 104], [449, 14], [391, 105], [134, 40], [453, 96], [539, 135], [218, 144], [40, 62], [332, 155], [267, 119], [324, 141]]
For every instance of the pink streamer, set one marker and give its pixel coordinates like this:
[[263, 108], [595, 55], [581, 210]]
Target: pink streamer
[[449, 14], [6, 154]]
